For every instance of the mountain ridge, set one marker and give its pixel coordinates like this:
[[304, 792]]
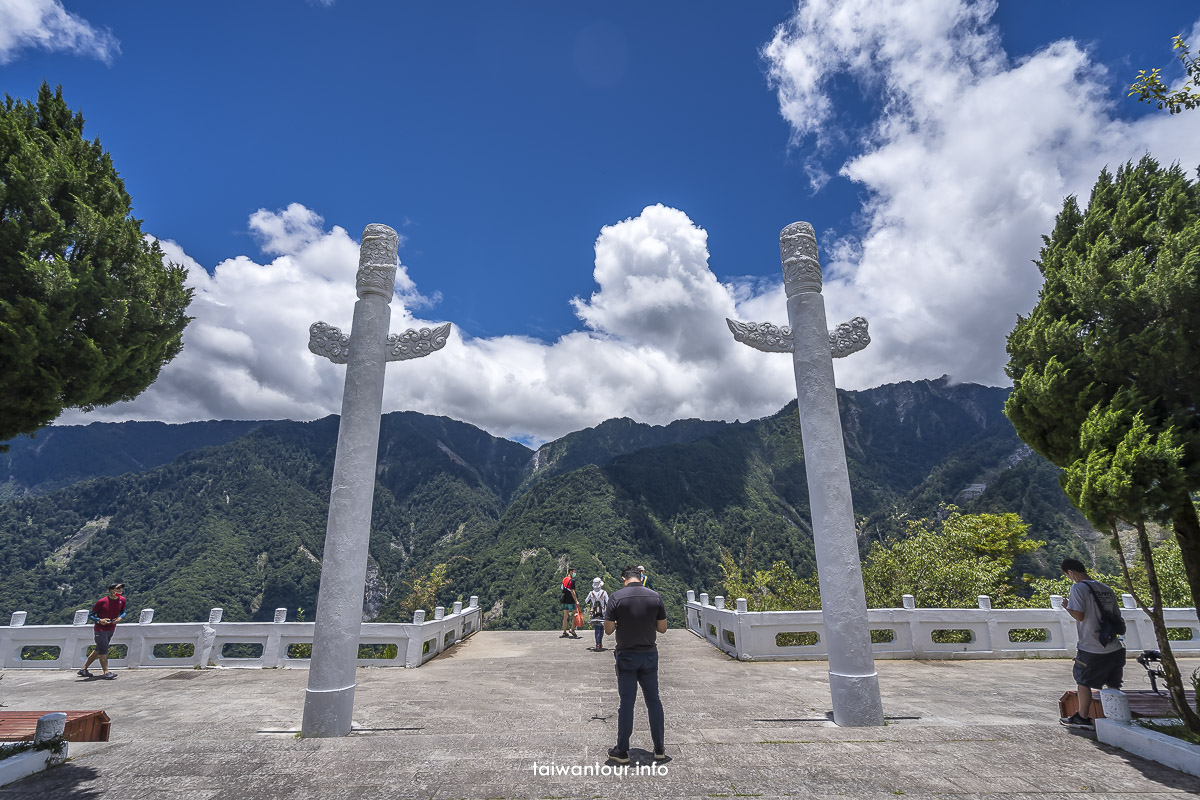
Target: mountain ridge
[[241, 523]]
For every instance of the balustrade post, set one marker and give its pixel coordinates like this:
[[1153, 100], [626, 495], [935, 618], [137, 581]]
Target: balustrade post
[[915, 634], [993, 630]]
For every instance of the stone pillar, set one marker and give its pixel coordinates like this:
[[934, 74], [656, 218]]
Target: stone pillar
[[17, 619], [853, 682], [214, 616], [49, 726], [280, 615], [146, 617], [329, 701]]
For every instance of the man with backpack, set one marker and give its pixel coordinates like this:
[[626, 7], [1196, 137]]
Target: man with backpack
[[597, 600], [1100, 658]]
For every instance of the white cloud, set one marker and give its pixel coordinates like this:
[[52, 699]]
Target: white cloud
[[46, 24], [656, 348], [966, 167]]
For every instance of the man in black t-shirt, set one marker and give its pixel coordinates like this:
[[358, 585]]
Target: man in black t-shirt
[[637, 615]]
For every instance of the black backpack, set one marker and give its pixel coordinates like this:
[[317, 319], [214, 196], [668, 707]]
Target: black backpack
[[1112, 624]]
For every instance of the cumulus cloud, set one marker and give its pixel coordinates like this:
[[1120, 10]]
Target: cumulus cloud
[[965, 166], [655, 348], [46, 24]]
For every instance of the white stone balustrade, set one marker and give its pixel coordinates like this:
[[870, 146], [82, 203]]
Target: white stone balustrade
[[800, 635], [255, 645]]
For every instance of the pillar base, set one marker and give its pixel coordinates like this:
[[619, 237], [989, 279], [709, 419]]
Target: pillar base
[[327, 713], [856, 701]]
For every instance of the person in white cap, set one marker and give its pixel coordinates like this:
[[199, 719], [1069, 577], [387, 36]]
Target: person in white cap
[[644, 579], [597, 601]]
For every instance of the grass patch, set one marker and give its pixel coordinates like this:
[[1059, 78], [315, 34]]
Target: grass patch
[[952, 636], [1178, 730], [1028, 635], [115, 651], [796, 639]]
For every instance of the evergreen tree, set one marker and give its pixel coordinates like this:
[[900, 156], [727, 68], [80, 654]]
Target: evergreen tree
[[1125, 474], [89, 312], [1116, 325]]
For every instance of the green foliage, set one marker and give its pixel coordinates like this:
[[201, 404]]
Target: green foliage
[[1168, 566], [1125, 473], [949, 563], [943, 564], [1107, 359], [1150, 89], [774, 589], [425, 590], [89, 312]]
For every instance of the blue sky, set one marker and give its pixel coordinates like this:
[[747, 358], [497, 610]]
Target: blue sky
[[587, 189]]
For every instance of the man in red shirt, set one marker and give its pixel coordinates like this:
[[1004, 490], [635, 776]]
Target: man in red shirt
[[106, 613]]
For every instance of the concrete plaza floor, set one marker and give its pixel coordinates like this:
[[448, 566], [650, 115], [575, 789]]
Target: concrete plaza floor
[[475, 721]]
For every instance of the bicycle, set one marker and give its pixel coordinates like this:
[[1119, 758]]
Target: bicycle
[[1151, 661]]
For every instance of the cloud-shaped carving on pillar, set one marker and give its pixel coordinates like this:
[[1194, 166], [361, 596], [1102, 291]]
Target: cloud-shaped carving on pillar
[[845, 339]]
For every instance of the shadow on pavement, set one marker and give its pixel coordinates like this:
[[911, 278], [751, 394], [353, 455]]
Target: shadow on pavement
[[64, 782]]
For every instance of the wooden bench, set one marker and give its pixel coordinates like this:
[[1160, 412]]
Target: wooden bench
[[1143, 704], [82, 726]]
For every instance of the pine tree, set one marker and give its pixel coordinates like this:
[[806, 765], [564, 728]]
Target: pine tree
[[1116, 327], [1127, 475], [89, 312]]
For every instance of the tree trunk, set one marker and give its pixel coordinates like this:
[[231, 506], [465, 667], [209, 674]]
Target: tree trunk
[[1187, 533], [1173, 677]]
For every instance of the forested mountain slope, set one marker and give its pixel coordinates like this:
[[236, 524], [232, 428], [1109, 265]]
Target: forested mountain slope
[[241, 524]]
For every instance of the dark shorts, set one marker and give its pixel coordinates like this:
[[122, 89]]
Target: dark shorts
[[568, 606], [1099, 670], [102, 640]]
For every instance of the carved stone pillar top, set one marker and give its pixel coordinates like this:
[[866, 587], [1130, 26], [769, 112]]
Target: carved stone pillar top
[[377, 261], [798, 250]]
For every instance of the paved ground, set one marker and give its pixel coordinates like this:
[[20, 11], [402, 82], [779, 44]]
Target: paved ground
[[474, 722]]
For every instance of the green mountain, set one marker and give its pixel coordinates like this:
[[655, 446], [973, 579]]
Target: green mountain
[[61, 455], [241, 524]]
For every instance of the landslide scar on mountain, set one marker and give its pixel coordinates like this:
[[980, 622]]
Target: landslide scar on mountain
[[62, 556]]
